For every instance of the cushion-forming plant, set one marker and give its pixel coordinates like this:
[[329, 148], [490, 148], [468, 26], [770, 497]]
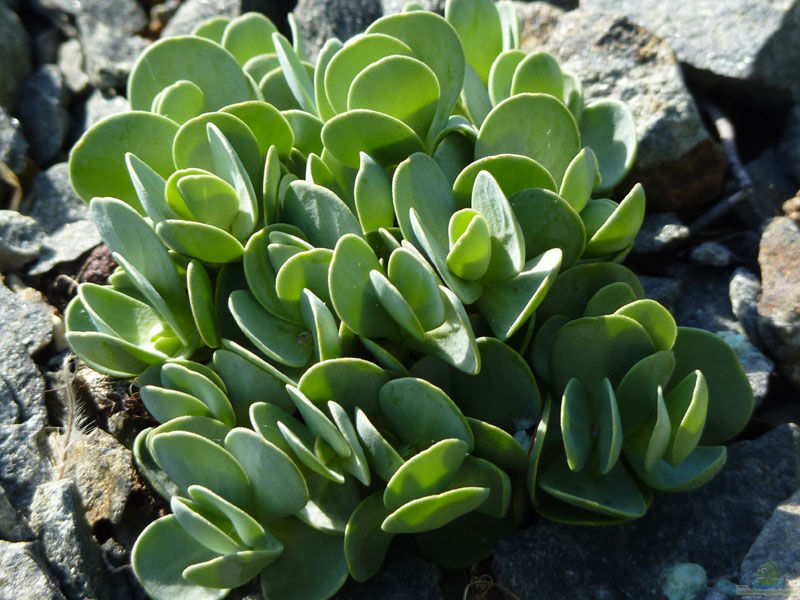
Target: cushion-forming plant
[[380, 295]]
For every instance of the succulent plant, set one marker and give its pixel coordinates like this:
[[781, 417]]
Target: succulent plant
[[379, 295]]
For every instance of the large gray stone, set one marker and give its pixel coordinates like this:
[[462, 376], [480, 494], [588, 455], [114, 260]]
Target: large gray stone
[[70, 61], [13, 147], [192, 13], [23, 571], [752, 47], [778, 542], [678, 162], [24, 383], [757, 367], [125, 15], [100, 105], [65, 245], [23, 466], [68, 545], [771, 188], [15, 55], [712, 254], [744, 290], [703, 301], [391, 7], [778, 313], [20, 240], [26, 320], [108, 51], [103, 471], [13, 526], [404, 576], [319, 20], [713, 526], [659, 230], [43, 112]]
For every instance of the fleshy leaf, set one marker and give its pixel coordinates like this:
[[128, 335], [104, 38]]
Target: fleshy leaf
[[432, 512], [607, 128], [480, 30], [365, 543]]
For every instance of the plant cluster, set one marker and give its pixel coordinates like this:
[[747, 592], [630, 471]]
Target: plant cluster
[[380, 295]]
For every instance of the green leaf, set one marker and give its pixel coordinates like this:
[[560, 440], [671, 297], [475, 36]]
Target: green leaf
[[307, 130], [434, 42], [464, 541], [399, 86], [509, 23], [607, 127], [476, 472], [307, 269], [542, 345], [280, 340], [180, 101], [382, 456], [480, 30], [512, 172], [730, 398], [470, 244], [295, 72], [150, 189], [201, 529], [259, 271], [178, 377], [620, 228], [609, 437], [687, 404], [507, 305], [609, 299], [265, 464], [249, 35], [261, 64], [120, 315], [373, 195], [269, 126], [190, 459], [694, 471], [434, 511], [350, 382], [97, 164], [637, 392], [320, 320], [165, 404], [319, 213], [474, 97], [580, 179], [576, 425], [213, 29], [538, 72], [160, 569], [203, 197], [660, 434], [497, 446], [198, 240], [573, 95], [365, 543], [318, 422], [421, 414], [396, 305], [298, 43], [206, 427], [307, 456], [387, 139], [548, 222], [550, 136], [330, 504], [356, 464], [356, 55], [536, 451], [247, 382], [231, 570], [201, 297], [306, 551], [326, 53], [352, 294], [195, 59], [502, 74], [656, 320], [425, 473]]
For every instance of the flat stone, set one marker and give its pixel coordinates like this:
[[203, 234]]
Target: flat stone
[[712, 254], [65, 245], [13, 147], [13, 526], [22, 464], [779, 306], [68, 545], [70, 61], [45, 44], [26, 321], [20, 240], [404, 576], [664, 290], [109, 52], [744, 290], [15, 56], [43, 113], [103, 471], [194, 12], [677, 162], [771, 188], [757, 367], [125, 15], [703, 301], [713, 526], [100, 105], [23, 381], [319, 20], [708, 35], [391, 7], [22, 568], [684, 581], [658, 231], [778, 543]]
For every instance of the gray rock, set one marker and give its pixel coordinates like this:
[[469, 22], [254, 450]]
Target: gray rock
[[124, 15], [15, 56], [194, 12], [9, 409], [744, 290], [319, 20], [43, 112], [678, 162], [708, 35], [757, 367], [659, 230], [24, 383], [103, 470], [391, 7], [703, 301], [684, 581], [771, 188], [404, 576], [789, 146], [20, 240], [46, 45], [625, 562], [712, 254], [13, 526], [778, 315], [779, 543], [26, 320], [65, 245], [109, 52], [70, 61], [23, 466], [664, 290], [21, 568], [13, 147], [68, 546], [100, 105]]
